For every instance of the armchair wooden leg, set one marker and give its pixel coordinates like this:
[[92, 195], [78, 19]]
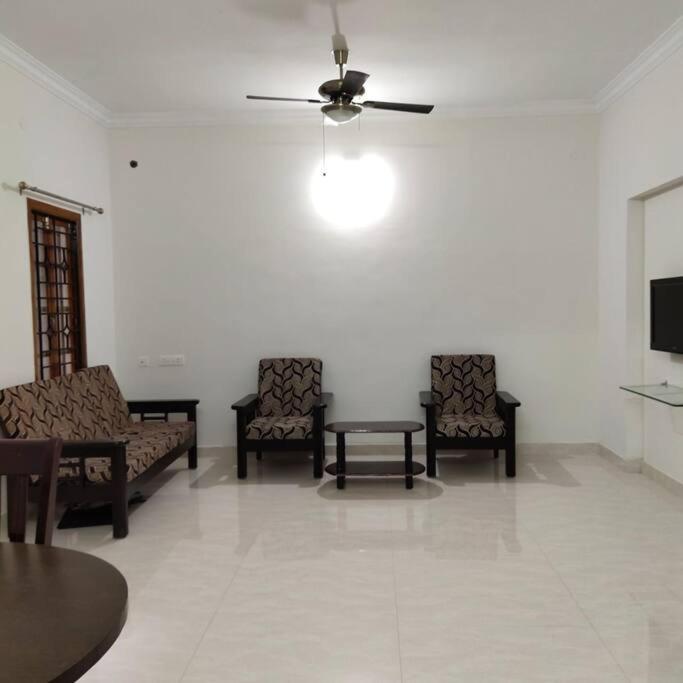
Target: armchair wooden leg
[[318, 461], [192, 453], [510, 461], [192, 457], [495, 453], [241, 445], [431, 460], [241, 462]]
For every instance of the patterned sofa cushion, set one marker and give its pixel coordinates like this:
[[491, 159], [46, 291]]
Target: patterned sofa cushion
[[286, 427], [288, 386], [470, 426], [147, 443], [464, 384], [84, 405]]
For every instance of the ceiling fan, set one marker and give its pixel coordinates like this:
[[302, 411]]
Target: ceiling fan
[[339, 94]]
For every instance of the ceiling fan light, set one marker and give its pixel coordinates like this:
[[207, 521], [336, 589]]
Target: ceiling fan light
[[341, 113]]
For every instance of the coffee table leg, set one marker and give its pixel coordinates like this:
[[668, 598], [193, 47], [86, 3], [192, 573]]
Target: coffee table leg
[[341, 460], [408, 442]]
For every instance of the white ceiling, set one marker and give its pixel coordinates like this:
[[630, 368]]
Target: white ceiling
[[205, 55]]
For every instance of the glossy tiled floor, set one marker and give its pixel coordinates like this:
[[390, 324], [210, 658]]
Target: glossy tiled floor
[[571, 572]]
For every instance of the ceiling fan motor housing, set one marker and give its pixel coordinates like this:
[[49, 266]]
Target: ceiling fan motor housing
[[332, 91]]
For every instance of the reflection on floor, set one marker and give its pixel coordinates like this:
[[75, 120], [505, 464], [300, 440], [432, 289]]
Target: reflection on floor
[[571, 572]]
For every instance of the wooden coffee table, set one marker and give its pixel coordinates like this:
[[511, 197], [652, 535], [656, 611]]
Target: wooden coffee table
[[387, 468]]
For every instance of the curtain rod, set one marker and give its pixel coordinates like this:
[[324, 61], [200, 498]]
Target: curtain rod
[[25, 187]]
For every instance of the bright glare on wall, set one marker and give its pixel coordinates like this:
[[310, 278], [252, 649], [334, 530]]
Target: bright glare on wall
[[354, 193]]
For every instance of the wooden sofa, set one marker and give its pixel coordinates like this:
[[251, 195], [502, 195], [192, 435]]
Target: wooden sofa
[[107, 455]]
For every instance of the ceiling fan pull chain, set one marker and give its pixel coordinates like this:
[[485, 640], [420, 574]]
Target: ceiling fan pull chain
[[324, 163]]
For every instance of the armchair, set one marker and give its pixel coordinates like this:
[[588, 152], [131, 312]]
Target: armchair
[[464, 409], [287, 413]]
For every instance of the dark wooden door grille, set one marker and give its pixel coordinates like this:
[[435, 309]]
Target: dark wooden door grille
[[57, 290]]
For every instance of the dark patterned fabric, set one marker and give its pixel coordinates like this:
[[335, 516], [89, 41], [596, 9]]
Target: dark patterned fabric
[[286, 427], [84, 405], [470, 426], [147, 443], [288, 386], [464, 384]]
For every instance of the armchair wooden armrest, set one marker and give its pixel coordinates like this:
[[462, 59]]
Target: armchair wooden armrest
[[247, 403], [323, 400], [506, 402], [427, 399]]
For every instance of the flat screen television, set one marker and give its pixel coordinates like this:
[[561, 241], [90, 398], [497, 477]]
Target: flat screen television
[[666, 315]]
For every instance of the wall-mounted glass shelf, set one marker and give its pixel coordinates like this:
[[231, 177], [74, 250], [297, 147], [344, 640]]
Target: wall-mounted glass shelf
[[664, 393]]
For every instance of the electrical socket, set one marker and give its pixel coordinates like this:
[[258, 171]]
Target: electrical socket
[[144, 362], [174, 360]]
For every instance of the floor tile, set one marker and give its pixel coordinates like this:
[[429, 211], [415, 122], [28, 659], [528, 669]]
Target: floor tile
[[572, 572]]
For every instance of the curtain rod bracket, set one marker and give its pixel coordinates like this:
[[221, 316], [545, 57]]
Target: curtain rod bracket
[[25, 187]]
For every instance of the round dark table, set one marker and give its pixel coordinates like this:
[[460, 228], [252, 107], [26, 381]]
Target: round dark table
[[60, 611]]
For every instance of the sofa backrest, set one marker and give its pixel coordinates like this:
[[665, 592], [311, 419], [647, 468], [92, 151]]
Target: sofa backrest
[[84, 405], [288, 386], [464, 384]]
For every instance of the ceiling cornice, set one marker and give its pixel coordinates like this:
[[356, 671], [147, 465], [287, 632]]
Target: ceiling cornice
[[29, 66], [666, 45], [10, 53]]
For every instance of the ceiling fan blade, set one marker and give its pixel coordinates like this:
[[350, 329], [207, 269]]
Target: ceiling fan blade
[[284, 99], [400, 106], [353, 82]]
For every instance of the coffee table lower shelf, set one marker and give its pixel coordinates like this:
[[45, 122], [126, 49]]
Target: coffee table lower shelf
[[375, 468]]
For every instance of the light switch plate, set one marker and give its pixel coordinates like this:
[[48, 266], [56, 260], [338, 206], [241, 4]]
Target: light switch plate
[[172, 360]]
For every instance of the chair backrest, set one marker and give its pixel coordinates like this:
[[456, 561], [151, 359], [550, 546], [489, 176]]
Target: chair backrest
[[20, 459], [464, 384], [87, 404], [288, 386]]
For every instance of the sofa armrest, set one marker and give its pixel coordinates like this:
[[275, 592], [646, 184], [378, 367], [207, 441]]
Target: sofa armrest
[[166, 406], [94, 448], [247, 403], [114, 449], [323, 400], [427, 399]]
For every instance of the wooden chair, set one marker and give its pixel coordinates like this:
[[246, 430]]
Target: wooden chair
[[287, 413], [466, 411], [19, 459]]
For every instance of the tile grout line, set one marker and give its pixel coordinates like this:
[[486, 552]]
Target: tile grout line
[[393, 572], [627, 678], [211, 620], [219, 602]]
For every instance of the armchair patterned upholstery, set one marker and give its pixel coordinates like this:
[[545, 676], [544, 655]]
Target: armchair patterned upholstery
[[464, 409], [287, 413]]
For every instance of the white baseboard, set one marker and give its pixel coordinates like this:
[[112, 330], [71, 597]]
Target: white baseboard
[[664, 480], [634, 466]]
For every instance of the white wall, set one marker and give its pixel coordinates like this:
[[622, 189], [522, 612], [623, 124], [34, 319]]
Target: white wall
[[662, 425], [490, 245], [49, 144], [641, 148]]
